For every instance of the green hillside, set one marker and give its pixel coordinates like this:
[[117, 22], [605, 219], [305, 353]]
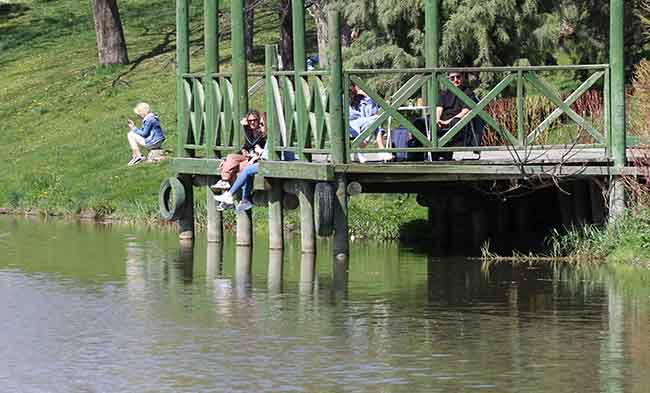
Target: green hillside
[[64, 119]]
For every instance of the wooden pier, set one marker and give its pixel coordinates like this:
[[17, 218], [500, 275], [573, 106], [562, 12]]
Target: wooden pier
[[307, 116]]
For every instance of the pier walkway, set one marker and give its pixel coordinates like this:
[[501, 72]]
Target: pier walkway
[[580, 145]]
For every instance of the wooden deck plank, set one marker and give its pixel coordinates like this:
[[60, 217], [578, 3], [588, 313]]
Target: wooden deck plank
[[475, 170], [465, 167], [196, 166], [297, 170]]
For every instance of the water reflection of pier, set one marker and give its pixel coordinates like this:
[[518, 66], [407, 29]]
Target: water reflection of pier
[[497, 313], [523, 322]]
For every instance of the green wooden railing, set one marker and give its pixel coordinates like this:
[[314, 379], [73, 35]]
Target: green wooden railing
[[194, 134], [519, 79], [303, 126]]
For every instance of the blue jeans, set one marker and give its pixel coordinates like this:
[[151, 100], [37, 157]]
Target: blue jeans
[[245, 181]]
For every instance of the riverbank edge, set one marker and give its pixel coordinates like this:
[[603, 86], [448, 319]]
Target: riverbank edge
[[371, 217], [624, 242]]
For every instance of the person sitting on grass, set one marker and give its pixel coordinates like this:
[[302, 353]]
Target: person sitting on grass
[[254, 138], [149, 136]]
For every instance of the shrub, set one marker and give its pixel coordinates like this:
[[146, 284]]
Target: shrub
[[639, 101], [536, 109]]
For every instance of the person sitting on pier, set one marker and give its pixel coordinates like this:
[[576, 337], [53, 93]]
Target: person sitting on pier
[[244, 180], [363, 111], [149, 136], [254, 137], [450, 111]]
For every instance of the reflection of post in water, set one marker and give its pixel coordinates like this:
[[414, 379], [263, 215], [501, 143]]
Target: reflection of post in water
[[453, 280], [440, 281], [214, 261], [612, 362], [243, 258], [185, 261], [307, 272], [274, 277], [244, 252]]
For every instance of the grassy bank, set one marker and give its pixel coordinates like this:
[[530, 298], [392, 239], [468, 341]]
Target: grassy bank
[[625, 241], [64, 119]]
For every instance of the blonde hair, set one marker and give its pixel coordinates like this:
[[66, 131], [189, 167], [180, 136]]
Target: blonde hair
[[142, 109]]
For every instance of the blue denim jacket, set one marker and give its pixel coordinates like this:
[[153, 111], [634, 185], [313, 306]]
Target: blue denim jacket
[[362, 115], [151, 130]]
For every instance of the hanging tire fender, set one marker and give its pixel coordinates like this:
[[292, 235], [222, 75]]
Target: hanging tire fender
[[170, 208], [324, 197]]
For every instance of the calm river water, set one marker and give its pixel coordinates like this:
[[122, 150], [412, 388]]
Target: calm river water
[[96, 308]]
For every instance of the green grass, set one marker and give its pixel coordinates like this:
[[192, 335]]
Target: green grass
[[625, 241], [64, 118]]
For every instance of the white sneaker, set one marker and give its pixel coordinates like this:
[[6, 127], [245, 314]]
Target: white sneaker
[[223, 206], [362, 159], [220, 185], [135, 160], [225, 198]]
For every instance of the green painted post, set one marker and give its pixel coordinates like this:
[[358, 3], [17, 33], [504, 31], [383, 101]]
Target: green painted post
[[338, 133], [617, 102], [298, 21], [607, 110], [299, 60], [239, 68], [214, 228], [521, 132], [337, 122], [211, 66], [276, 219], [182, 67], [186, 220], [240, 106], [272, 129], [617, 80], [432, 42], [432, 32]]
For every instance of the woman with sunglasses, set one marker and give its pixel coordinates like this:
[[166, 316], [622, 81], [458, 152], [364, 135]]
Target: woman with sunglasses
[[244, 181], [254, 140]]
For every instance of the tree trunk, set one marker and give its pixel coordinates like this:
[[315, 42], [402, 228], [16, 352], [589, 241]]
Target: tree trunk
[[248, 29], [322, 30], [286, 35], [318, 11], [111, 46]]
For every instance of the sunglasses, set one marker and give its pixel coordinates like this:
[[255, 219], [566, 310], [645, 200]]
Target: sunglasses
[[455, 77], [252, 119]]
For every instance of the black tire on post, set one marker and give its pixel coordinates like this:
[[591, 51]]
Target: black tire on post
[[324, 205], [171, 186], [289, 201]]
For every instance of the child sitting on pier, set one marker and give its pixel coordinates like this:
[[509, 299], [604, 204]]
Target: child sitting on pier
[[254, 139], [150, 135]]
